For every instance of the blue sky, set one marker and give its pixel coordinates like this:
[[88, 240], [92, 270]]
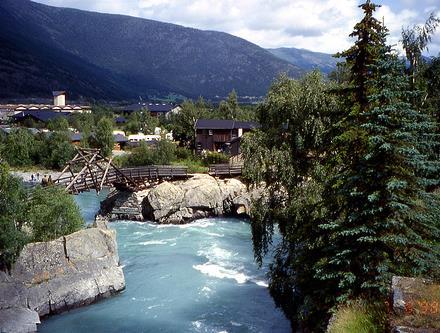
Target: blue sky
[[317, 25]]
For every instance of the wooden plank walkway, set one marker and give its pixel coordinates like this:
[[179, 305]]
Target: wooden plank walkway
[[225, 170], [131, 179]]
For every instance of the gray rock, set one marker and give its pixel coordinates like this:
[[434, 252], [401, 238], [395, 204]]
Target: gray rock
[[163, 201], [17, 320], [71, 271], [198, 197]]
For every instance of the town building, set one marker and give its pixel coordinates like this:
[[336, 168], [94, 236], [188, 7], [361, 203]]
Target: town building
[[221, 135], [155, 109], [38, 117], [59, 105], [59, 98]]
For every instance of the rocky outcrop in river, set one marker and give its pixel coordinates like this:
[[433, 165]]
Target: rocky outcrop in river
[[55, 276], [182, 201]]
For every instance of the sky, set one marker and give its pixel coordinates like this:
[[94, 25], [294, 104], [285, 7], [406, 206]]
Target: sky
[[317, 25]]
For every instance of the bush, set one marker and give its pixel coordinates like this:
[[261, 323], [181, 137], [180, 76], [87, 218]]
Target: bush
[[183, 153], [56, 150], [193, 165], [19, 148], [142, 155], [359, 317], [165, 152], [162, 154], [213, 157], [12, 201], [53, 213]]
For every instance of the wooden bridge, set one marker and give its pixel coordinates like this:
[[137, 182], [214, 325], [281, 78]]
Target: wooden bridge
[[225, 170], [89, 170]]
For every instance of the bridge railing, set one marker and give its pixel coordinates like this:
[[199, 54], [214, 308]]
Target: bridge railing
[[224, 170], [138, 175]]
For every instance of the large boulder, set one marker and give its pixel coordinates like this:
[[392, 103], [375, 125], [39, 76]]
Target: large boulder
[[52, 277], [198, 197]]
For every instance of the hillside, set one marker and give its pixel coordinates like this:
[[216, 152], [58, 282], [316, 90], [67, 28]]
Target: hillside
[[119, 57], [306, 59]]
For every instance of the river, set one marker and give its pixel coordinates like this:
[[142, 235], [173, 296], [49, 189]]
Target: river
[[198, 277]]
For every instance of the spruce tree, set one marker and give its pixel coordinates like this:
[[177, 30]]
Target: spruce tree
[[380, 220]]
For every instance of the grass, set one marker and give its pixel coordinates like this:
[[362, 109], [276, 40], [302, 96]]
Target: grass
[[358, 317]]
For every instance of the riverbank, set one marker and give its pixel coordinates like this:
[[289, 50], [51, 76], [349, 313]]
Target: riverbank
[[26, 175]]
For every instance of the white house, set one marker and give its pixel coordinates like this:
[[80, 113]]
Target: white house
[[59, 98]]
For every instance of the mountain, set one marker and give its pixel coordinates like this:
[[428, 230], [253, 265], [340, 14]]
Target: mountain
[[44, 48], [305, 59]]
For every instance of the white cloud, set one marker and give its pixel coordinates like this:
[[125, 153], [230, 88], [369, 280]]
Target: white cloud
[[318, 25]]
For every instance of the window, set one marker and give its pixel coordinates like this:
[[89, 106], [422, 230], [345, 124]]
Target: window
[[210, 132]]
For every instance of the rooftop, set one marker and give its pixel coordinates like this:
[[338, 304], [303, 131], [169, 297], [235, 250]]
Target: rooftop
[[43, 116], [225, 124]]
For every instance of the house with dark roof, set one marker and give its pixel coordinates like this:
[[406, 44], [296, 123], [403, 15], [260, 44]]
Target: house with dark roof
[[39, 116], [221, 134]]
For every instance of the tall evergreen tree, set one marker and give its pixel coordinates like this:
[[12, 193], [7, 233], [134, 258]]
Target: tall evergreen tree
[[104, 136], [379, 218], [381, 221], [370, 39]]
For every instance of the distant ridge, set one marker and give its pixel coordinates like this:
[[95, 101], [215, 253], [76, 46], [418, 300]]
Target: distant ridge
[[306, 59], [104, 56]]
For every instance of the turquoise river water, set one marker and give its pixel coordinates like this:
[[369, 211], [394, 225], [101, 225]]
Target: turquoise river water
[[199, 277]]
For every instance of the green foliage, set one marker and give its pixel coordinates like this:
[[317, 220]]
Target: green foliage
[[19, 148], [56, 150], [415, 40], [101, 111], [12, 205], [83, 122], [52, 213], [370, 40], [359, 317], [103, 137], [194, 165], [141, 121], [162, 153], [230, 109], [432, 94], [381, 221], [58, 124], [183, 153], [285, 154], [213, 157]]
